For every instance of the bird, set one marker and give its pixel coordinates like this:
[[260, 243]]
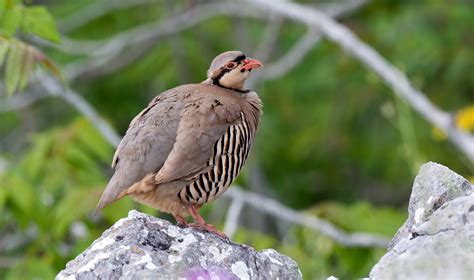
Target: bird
[[188, 145]]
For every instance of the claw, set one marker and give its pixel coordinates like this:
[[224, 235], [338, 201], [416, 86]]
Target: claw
[[180, 221], [200, 224], [208, 228]]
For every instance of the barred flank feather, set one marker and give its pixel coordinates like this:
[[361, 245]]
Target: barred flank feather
[[229, 155]]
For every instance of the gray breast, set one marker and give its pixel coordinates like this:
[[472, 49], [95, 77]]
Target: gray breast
[[229, 155]]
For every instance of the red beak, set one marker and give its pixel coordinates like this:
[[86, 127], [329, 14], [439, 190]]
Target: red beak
[[251, 63]]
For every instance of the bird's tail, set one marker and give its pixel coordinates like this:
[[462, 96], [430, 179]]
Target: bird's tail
[[111, 192]]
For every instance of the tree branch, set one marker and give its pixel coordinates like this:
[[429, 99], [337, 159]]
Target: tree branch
[[109, 56], [54, 88], [95, 11], [265, 48], [374, 61], [232, 217], [19, 101], [293, 57], [276, 209]]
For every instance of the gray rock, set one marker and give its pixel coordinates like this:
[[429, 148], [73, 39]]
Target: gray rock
[[434, 185], [145, 247], [437, 240]]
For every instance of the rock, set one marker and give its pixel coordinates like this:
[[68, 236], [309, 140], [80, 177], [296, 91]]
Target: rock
[[144, 247], [434, 185], [437, 240]]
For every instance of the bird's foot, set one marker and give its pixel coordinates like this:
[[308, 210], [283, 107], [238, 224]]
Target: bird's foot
[[200, 224], [181, 224], [208, 228], [180, 221]]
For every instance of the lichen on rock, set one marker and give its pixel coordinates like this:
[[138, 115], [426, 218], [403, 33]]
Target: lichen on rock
[[144, 247], [437, 240]]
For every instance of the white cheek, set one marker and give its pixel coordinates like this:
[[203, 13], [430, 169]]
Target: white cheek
[[230, 79]]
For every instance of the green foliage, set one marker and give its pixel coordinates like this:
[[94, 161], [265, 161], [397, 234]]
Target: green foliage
[[322, 256], [10, 17], [56, 183], [32, 268], [38, 21], [20, 57], [361, 216], [318, 255], [13, 69], [15, 16]]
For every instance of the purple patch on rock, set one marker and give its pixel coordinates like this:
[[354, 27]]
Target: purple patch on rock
[[210, 273]]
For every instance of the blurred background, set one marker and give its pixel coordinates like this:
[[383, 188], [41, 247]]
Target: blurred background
[[335, 141]]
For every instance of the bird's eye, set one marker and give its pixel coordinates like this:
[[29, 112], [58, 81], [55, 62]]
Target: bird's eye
[[231, 65]]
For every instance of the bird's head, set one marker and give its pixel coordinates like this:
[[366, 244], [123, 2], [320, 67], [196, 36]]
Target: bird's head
[[231, 69]]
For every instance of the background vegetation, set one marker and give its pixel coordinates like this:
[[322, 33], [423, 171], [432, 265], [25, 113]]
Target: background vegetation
[[334, 141]]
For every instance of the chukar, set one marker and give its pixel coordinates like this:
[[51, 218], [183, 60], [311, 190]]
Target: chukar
[[188, 145]]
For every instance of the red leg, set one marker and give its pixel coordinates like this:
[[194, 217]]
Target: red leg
[[180, 220], [200, 224]]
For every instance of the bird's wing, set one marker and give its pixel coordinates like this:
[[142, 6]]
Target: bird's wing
[[156, 123], [146, 145], [204, 119]]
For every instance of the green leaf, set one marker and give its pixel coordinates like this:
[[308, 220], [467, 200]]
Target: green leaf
[[11, 20], [13, 68], [4, 47], [27, 64], [8, 4], [22, 195], [38, 21], [75, 205], [33, 164], [93, 141]]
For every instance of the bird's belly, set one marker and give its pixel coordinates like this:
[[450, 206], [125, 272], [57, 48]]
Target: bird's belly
[[229, 155]]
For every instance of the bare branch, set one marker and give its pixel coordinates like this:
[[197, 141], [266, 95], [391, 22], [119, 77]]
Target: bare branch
[[108, 55], [293, 57], [179, 53], [68, 45], [341, 7], [54, 88], [143, 37], [276, 209], [265, 48], [269, 38], [110, 58], [374, 61], [232, 218], [241, 36], [95, 11], [19, 101]]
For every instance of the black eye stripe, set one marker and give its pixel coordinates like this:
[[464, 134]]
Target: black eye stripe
[[239, 58]]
